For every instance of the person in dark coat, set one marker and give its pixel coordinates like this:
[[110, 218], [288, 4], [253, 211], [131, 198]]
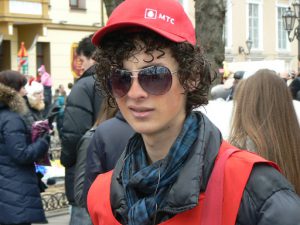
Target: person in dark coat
[[36, 105], [81, 111], [104, 151], [295, 88], [20, 201]]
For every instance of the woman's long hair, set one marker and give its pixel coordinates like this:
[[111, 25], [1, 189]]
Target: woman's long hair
[[264, 121], [106, 112]]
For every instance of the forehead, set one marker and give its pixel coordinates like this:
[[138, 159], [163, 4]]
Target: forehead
[[142, 55], [37, 93]]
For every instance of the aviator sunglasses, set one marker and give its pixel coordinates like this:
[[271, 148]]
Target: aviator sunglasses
[[155, 80]]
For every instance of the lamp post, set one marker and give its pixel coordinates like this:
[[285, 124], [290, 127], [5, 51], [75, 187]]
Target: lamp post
[[289, 18], [248, 45]]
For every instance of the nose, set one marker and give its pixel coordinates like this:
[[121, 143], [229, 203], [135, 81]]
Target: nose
[[136, 91]]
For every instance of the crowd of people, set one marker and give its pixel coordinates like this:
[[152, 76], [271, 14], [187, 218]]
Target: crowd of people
[[144, 137]]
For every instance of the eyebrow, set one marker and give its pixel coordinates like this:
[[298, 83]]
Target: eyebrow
[[145, 66]]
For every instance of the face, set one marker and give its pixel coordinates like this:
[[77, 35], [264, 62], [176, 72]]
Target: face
[[39, 96], [86, 62], [150, 114]]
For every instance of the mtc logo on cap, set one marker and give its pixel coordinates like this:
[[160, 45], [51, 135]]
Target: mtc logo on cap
[[153, 15], [150, 14], [165, 17]]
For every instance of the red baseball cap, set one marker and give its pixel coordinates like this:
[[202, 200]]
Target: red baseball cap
[[165, 17]]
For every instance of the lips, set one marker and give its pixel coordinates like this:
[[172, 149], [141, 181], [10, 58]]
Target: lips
[[140, 112]]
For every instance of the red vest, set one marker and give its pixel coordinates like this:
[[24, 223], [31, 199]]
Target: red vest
[[211, 210]]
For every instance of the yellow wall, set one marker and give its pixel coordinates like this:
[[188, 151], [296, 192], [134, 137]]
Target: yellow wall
[[60, 50]]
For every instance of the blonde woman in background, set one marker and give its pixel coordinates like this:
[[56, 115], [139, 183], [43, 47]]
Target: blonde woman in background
[[264, 121]]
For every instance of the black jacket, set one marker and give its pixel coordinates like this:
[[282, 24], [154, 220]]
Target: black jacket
[[107, 145], [20, 200], [81, 111], [295, 88], [80, 166], [267, 200]]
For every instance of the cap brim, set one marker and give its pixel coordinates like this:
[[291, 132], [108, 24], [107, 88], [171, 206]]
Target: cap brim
[[97, 37]]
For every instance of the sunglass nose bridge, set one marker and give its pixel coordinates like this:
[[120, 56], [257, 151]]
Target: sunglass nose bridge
[[136, 75]]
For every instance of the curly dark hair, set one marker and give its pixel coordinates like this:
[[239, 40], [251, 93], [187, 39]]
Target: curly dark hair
[[194, 73]]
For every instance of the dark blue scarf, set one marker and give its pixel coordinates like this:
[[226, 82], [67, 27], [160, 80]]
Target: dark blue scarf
[[146, 185]]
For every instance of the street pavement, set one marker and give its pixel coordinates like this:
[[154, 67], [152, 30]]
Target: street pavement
[[60, 219]]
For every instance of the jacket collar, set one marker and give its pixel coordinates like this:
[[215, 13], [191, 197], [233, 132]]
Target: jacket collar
[[195, 173], [89, 72], [120, 116]]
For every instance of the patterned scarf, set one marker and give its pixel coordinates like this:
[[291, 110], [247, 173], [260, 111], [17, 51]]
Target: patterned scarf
[[146, 185]]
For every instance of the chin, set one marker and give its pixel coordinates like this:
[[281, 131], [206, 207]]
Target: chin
[[144, 129]]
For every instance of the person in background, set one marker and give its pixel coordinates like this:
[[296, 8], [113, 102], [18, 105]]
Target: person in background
[[20, 201], [70, 85], [219, 91], [60, 102], [264, 121], [36, 105], [81, 111], [56, 94], [237, 77], [46, 81], [176, 169], [295, 88], [104, 151], [35, 102]]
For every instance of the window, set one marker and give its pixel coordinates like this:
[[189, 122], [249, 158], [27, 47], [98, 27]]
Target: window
[[254, 24], [77, 4], [5, 62], [43, 55], [282, 39], [39, 55], [227, 32], [74, 3]]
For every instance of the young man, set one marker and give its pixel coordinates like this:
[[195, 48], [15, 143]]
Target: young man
[[81, 111], [176, 169]]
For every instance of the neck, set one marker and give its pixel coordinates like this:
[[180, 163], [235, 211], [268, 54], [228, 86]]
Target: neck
[[159, 144]]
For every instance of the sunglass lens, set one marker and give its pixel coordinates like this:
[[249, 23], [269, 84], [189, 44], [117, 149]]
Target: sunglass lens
[[156, 80], [120, 82]]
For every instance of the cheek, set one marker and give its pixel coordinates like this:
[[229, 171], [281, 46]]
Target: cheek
[[121, 103], [176, 97], [175, 103]]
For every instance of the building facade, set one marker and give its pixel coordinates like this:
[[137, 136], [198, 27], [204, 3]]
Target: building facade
[[50, 30], [261, 22]]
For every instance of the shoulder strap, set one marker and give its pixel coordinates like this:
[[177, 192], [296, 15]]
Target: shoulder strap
[[226, 185], [213, 203], [99, 206]]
